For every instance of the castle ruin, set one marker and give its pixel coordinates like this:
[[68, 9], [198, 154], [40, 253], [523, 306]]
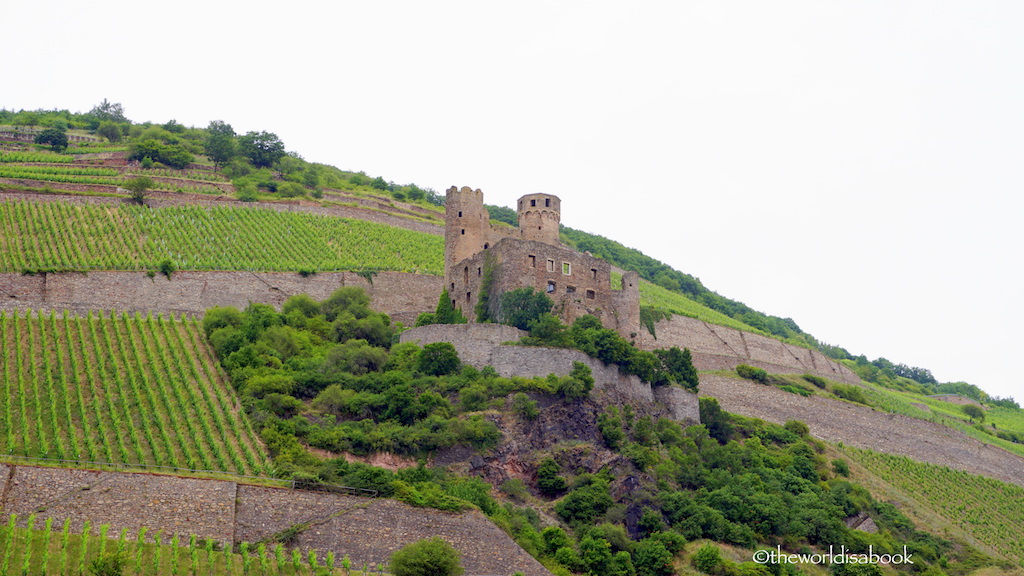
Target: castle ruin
[[480, 256]]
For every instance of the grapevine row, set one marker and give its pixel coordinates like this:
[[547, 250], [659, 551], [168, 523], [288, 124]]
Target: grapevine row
[[131, 390]]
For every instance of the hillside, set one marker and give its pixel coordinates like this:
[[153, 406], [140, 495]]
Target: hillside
[[586, 474]]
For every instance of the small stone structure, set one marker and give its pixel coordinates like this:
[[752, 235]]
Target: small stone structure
[[367, 529], [480, 256], [482, 345]]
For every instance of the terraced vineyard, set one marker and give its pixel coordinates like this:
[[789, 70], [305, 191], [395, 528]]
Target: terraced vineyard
[[120, 389], [63, 236], [989, 510], [46, 547]]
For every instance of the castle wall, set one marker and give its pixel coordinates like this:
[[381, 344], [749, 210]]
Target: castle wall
[[716, 347], [401, 295], [366, 529], [585, 289], [482, 345]]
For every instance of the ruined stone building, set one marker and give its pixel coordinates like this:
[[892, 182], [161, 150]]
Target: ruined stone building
[[476, 250]]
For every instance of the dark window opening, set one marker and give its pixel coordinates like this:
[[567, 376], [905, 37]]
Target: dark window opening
[[463, 230], [467, 296], [453, 286], [465, 275], [551, 287], [533, 260], [570, 289], [591, 295], [533, 202], [551, 265], [547, 202], [460, 213], [479, 271], [486, 246], [593, 273]]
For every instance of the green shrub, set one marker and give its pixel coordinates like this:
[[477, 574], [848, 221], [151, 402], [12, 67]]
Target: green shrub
[[816, 380], [795, 390], [524, 407], [430, 557], [840, 467], [167, 267], [708, 559], [109, 564], [751, 373], [548, 480], [438, 359], [797, 427], [851, 393]]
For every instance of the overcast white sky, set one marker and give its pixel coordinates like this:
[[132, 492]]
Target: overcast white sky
[[856, 166]]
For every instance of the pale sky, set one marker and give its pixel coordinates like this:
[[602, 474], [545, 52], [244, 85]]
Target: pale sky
[[856, 166]]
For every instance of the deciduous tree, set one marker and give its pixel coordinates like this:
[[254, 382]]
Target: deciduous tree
[[262, 148], [55, 137]]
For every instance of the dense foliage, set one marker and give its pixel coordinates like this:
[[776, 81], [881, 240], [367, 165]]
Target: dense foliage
[[327, 374], [661, 367]]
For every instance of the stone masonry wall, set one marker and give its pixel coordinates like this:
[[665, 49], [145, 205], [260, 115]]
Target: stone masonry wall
[[719, 348], [369, 530], [366, 529], [183, 505], [482, 345], [865, 427], [401, 295]]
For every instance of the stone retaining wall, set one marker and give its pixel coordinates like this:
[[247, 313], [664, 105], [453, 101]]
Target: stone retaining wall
[[864, 427], [366, 529], [401, 295], [482, 345], [716, 347], [205, 508]]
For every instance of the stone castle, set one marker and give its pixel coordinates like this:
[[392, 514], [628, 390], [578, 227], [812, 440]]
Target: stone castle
[[479, 255]]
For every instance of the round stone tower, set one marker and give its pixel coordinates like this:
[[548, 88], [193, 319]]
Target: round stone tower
[[539, 215], [466, 223]]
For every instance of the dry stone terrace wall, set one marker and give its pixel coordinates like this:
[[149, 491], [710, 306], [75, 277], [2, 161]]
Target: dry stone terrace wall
[[401, 295], [184, 505], [372, 529], [482, 345], [864, 427], [719, 348], [368, 530]]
